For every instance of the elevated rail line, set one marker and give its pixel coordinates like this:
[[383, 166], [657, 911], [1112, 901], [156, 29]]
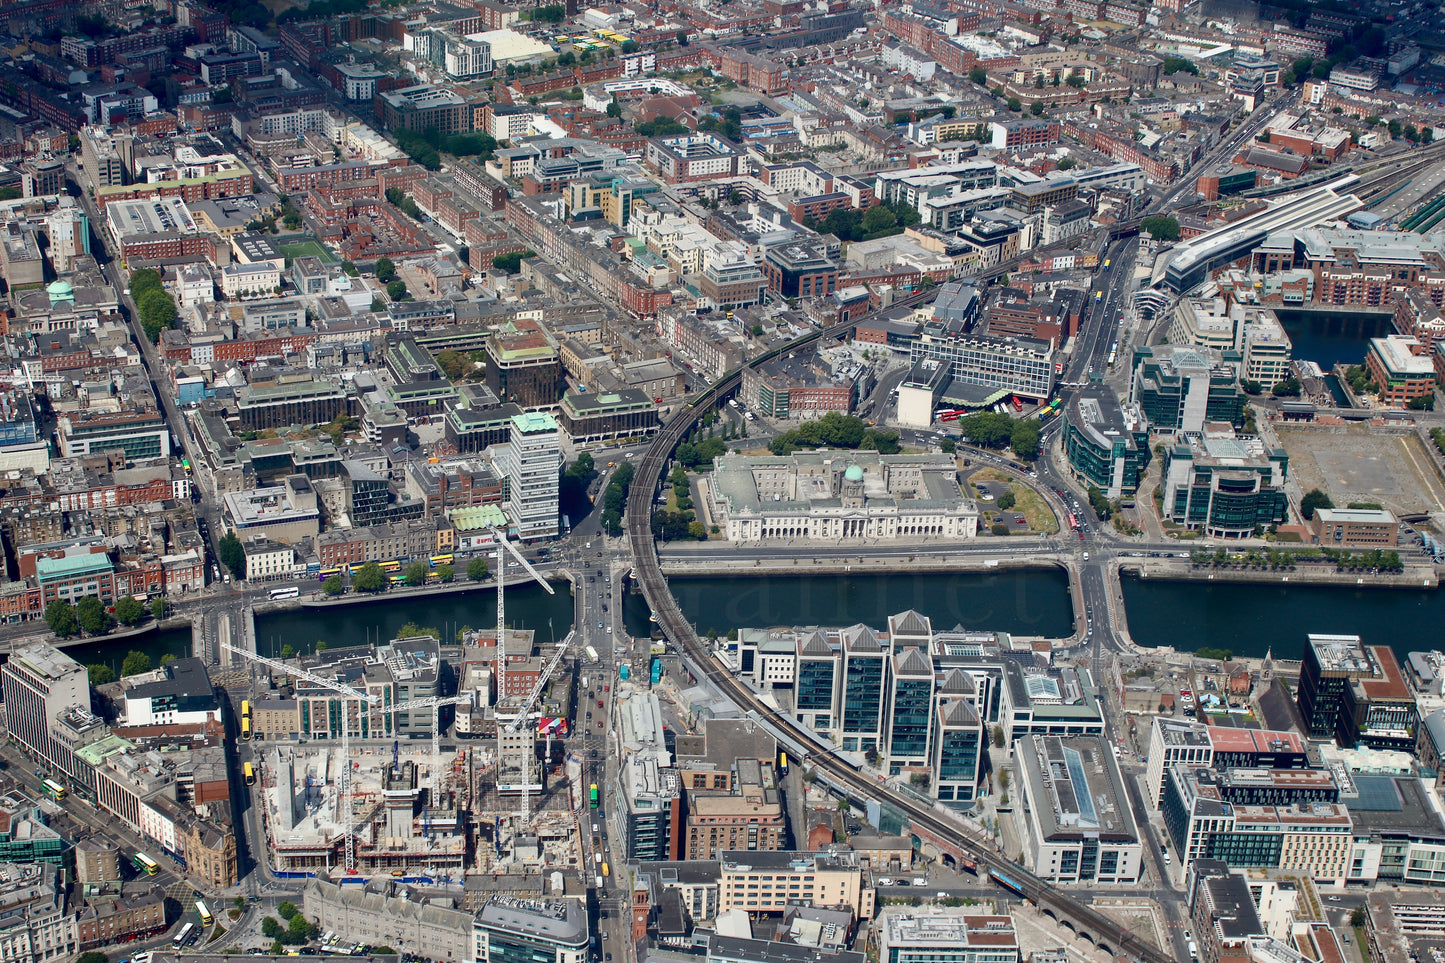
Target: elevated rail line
[[1087, 921]]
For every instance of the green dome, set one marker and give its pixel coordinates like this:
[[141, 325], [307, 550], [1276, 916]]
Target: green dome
[[854, 473], [60, 287]]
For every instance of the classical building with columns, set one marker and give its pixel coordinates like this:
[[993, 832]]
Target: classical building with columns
[[839, 496]]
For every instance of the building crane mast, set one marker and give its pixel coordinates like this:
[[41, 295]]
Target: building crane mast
[[522, 715], [502, 543], [434, 703], [347, 821]]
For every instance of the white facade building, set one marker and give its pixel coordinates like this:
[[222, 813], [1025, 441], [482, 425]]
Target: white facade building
[[530, 461], [838, 496]]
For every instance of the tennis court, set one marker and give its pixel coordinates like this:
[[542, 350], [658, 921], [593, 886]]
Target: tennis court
[[307, 248]]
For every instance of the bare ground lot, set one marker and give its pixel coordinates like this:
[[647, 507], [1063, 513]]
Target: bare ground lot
[[1359, 465]]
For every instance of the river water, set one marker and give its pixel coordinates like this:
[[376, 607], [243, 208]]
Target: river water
[[1246, 618], [528, 607], [1031, 602]]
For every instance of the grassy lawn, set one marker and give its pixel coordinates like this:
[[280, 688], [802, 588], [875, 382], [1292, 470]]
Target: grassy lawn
[[1027, 502]]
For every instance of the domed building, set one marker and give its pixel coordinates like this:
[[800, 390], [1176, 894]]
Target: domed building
[[839, 496]]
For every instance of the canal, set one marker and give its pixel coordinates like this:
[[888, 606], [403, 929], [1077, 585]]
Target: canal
[[1033, 602]]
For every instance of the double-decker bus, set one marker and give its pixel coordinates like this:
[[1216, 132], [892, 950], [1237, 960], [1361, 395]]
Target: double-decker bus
[[205, 914], [285, 593], [446, 558], [250, 773], [145, 864], [396, 578], [592, 795], [54, 789], [245, 718], [326, 573], [1073, 522], [949, 414], [1018, 405], [391, 566]]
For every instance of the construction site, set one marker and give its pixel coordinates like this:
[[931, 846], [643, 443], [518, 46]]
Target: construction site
[[353, 786]]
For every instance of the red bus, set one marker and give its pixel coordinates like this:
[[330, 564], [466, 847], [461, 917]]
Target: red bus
[[1018, 405], [950, 415], [1073, 523]]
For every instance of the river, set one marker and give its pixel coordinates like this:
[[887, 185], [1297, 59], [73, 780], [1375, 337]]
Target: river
[[1032, 602], [528, 607], [1249, 618]]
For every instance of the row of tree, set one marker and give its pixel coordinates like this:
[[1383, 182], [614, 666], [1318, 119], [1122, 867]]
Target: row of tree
[[881, 220], [156, 306], [614, 498], [836, 430], [991, 429]]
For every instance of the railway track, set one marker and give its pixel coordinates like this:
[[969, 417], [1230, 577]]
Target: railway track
[[1102, 929]]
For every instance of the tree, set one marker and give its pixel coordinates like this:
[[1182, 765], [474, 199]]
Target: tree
[[1422, 403], [332, 585], [948, 446], [1067, 163], [1251, 387], [60, 616], [1314, 499], [91, 614], [301, 928], [385, 270], [697, 530], [445, 573], [1024, 439], [396, 290], [416, 573], [979, 76], [158, 608], [100, 674], [1288, 388], [511, 262], [135, 663], [286, 910], [411, 631], [614, 108], [1162, 227], [1395, 129], [129, 610], [369, 578], [757, 330], [92, 957], [270, 928], [1015, 105], [1006, 501], [477, 569], [998, 528], [452, 363], [377, 304], [240, 903], [998, 737], [879, 221], [1357, 916], [233, 556], [1037, 108]]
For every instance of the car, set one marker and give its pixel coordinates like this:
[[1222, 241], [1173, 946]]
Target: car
[[604, 934], [920, 882], [885, 881], [599, 703], [599, 625], [1333, 899], [607, 688]]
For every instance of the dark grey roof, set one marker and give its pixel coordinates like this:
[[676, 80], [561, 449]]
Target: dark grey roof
[[763, 951], [186, 679]]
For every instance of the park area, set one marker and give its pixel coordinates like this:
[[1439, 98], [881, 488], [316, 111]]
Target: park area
[[1038, 517]]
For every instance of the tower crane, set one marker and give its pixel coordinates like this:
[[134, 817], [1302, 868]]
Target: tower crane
[[526, 710], [433, 703], [502, 543], [347, 821]]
